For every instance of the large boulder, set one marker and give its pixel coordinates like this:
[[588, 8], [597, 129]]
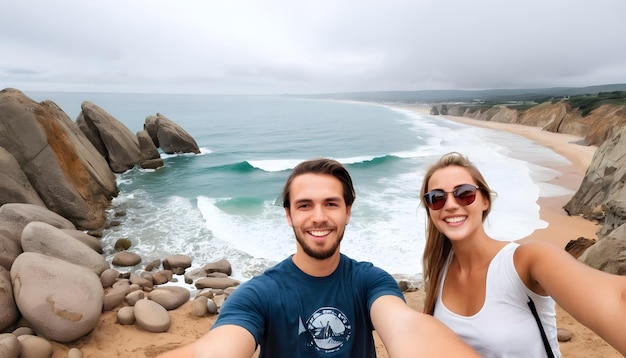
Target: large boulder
[[149, 153], [169, 136], [77, 183], [8, 310], [14, 184], [62, 301], [15, 217], [579, 246], [85, 238], [9, 250], [46, 239], [102, 179], [602, 193], [609, 253], [115, 142], [10, 346]]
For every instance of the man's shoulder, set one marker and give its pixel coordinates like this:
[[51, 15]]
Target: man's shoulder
[[353, 264], [272, 274]]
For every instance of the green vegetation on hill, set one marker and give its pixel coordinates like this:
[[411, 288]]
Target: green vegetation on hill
[[509, 97], [587, 103]]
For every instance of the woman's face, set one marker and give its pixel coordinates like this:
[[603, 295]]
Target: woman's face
[[454, 220]]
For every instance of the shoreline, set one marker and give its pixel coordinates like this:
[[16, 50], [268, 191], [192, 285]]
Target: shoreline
[[110, 338]]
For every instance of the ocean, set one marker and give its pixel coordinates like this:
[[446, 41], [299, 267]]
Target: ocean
[[225, 202]]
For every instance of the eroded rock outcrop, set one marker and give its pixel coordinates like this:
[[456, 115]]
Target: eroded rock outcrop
[[112, 138], [559, 117], [579, 246], [15, 185], [149, 157], [41, 138], [169, 136], [609, 253], [602, 193]]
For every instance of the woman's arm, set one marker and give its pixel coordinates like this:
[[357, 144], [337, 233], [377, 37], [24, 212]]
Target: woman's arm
[[223, 341], [407, 333], [594, 298]]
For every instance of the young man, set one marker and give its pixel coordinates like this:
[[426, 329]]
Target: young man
[[319, 302]]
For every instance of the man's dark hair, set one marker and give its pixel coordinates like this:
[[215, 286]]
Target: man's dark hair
[[322, 166]]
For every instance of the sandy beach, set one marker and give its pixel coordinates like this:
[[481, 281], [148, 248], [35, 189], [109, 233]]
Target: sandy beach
[[110, 339]]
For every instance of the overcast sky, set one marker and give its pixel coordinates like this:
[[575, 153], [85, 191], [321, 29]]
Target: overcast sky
[[294, 46]]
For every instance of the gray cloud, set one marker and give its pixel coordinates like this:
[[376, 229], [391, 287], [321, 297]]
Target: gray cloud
[[283, 46]]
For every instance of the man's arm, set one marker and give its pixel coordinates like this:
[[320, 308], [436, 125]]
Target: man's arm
[[407, 333], [223, 341]]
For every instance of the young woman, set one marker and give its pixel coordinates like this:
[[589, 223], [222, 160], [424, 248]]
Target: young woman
[[483, 289]]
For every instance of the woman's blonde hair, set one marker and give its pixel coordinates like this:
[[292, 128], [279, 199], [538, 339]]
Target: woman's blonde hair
[[437, 244]]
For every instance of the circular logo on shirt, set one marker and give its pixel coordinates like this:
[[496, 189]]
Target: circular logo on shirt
[[330, 329]]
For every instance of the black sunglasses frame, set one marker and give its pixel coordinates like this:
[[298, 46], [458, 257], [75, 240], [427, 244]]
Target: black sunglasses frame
[[464, 195]]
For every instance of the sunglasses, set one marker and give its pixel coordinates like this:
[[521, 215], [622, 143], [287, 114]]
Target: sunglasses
[[464, 194]]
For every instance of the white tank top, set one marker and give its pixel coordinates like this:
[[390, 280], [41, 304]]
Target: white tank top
[[504, 326]]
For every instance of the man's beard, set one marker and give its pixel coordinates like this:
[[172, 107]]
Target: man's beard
[[316, 254]]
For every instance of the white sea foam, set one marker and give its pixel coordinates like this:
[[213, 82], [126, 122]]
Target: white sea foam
[[265, 236], [276, 165], [203, 151]]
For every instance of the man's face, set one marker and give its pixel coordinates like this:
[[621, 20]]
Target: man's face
[[318, 214]]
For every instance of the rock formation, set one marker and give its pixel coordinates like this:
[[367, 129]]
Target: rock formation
[[169, 136], [56, 180], [112, 138], [609, 253], [602, 194], [41, 138], [149, 157], [61, 300], [559, 117]]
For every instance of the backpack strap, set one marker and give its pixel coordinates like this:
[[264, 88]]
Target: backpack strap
[[546, 344]]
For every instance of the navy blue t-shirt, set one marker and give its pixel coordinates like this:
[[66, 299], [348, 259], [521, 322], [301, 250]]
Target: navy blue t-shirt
[[291, 314]]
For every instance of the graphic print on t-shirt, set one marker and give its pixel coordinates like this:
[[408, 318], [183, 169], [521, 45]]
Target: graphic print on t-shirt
[[329, 329]]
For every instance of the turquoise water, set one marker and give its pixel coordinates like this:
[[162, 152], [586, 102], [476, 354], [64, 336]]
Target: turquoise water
[[222, 202]]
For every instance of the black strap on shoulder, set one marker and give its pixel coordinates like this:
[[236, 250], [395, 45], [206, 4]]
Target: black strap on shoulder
[[546, 344]]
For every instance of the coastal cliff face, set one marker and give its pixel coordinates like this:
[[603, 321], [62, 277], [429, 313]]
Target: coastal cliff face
[[559, 117], [601, 196], [602, 193]]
